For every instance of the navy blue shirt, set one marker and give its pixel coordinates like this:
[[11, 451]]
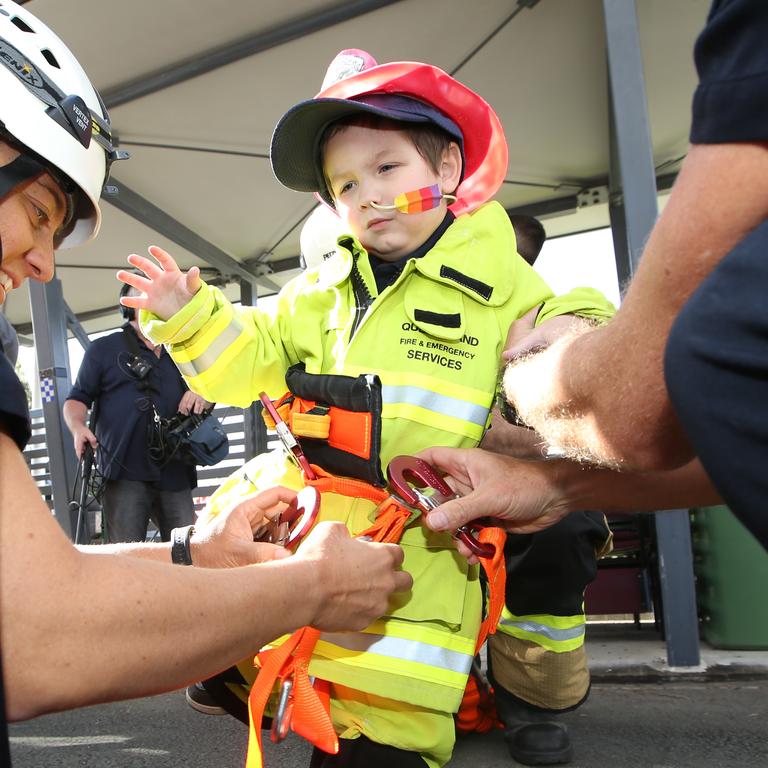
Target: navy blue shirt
[[731, 54], [125, 409]]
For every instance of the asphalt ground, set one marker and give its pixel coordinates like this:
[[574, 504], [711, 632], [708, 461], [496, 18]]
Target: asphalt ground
[[638, 725]]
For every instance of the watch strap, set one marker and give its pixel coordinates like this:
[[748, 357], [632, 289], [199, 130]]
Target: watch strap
[[180, 552]]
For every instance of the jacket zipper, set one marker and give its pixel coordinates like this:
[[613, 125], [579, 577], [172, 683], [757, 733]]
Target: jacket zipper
[[363, 298]]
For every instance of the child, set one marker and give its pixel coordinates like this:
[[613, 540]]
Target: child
[[410, 315]]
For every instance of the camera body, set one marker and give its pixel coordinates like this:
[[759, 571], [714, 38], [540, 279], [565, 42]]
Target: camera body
[[138, 367]]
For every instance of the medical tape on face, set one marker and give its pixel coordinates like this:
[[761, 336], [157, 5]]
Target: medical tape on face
[[418, 201]]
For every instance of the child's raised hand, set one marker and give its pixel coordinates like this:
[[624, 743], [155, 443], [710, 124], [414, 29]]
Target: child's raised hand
[[165, 287]]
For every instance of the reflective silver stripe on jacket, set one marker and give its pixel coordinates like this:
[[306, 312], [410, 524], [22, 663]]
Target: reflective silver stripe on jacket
[[424, 398], [398, 648], [214, 350], [570, 633]]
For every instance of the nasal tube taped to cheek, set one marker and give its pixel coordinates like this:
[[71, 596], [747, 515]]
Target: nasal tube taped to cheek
[[418, 201]]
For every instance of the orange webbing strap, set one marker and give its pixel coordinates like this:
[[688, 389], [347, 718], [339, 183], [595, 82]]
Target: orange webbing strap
[[346, 486], [496, 573], [391, 519], [477, 713], [342, 429], [282, 406], [311, 707], [310, 716]]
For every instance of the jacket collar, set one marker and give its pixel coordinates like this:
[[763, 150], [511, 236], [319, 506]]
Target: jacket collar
[[467, 257]]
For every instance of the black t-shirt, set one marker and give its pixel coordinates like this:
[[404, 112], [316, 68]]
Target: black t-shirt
[[14, 413], [125, 409], [386, 272], [731, 54]]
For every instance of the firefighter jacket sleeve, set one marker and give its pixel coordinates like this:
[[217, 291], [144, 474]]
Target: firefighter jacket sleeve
[[226, 354]]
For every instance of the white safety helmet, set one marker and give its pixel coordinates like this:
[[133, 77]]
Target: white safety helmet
[[317, 240], [48, 105]]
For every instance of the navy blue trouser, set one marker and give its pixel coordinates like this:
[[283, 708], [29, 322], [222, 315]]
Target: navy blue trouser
[[716, 368], [129, 505]]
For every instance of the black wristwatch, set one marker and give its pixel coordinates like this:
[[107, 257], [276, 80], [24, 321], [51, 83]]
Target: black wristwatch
[[180, 553], [509, 412]]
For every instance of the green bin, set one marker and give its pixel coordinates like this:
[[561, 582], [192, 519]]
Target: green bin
[[731, 581]]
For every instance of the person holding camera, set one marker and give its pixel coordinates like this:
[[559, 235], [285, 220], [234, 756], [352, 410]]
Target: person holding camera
[[134, 381]]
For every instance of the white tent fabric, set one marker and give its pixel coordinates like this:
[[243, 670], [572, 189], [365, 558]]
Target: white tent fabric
[[199, 170]]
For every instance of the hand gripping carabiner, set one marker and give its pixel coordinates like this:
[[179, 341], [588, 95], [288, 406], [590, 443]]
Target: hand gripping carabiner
[[290, 525], [407, 475]]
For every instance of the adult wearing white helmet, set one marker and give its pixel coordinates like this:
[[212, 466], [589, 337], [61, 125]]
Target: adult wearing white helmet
[[56, 600], [317, 240], [56, 145]]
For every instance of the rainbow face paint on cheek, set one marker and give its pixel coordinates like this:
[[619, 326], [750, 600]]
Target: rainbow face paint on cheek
[[418, 201]]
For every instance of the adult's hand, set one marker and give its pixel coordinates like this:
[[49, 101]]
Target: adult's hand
[[81, 436], [520, 496], [191, 402], [165, 288], [356, 577], [227, 540]]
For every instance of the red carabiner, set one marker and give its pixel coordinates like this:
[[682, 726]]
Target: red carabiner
[[300, 515], [290, 526], [287, 437], [407, 475]]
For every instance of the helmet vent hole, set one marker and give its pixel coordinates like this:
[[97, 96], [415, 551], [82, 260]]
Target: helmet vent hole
[[50, 58], [21, 24]]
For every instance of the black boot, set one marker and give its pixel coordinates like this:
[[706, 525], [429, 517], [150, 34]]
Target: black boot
[[532, 735]]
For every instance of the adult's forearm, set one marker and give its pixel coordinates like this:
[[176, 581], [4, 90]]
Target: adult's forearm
[[178, 640], [80, 628], [584, 487], [75, 414], [602, 395], [529, 496], [159, 552]]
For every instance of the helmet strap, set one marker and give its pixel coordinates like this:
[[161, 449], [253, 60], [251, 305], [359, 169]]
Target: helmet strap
[[20, 170]]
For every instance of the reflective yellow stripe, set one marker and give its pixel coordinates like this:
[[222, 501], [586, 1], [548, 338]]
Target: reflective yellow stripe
[[433, 402], [555, 633], [453, 641], [431, 419], [442, 404], [397, 648], [199, 382], [206, 353], [432, 383], [206, 335], [395, 656]]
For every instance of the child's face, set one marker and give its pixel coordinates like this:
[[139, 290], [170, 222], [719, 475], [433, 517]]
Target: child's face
[[374, 164]]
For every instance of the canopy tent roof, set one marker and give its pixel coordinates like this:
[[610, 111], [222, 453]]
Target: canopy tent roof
[[195, 89]]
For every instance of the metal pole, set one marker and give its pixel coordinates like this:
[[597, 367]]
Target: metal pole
[[50, 332]]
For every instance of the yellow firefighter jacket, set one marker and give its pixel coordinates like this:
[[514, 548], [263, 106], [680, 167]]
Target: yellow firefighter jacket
[[434, 338]]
